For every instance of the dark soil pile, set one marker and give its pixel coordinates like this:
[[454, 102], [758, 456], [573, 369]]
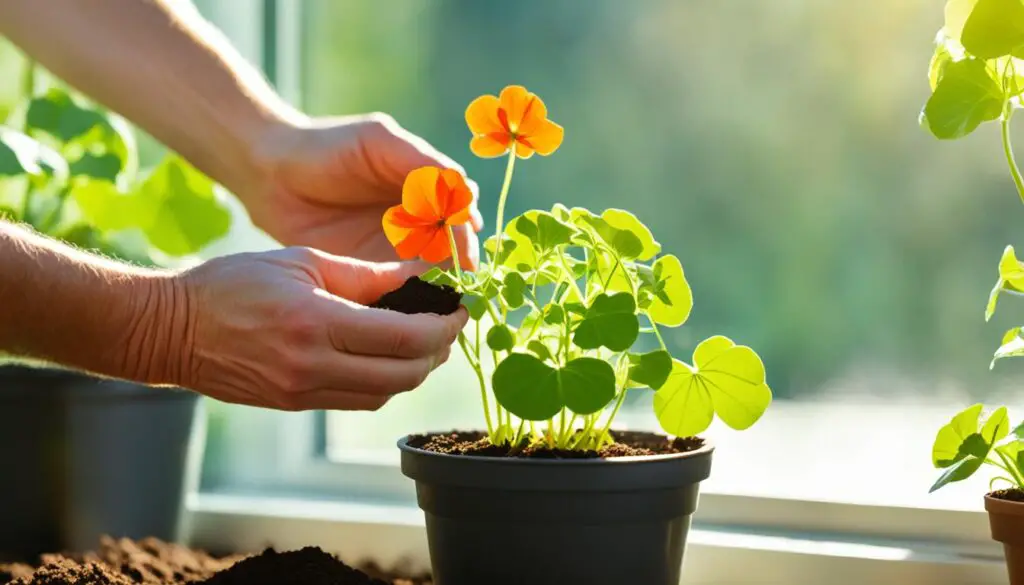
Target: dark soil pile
[[420, 296], [153, 562], [627, 444], [1012, 495]]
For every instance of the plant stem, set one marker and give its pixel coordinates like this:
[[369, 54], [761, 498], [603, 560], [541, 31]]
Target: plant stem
[[572, 278], [654, 327], [455, 253], [612, 273], [499, 226], [28, 91], [483, 383], [1008, 149], [551, 433]]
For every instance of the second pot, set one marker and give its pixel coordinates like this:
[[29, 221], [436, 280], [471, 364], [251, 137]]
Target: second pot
[[1006, 519], [506, 521]]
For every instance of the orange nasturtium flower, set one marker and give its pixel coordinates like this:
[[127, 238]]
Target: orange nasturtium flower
[[517, 117], [432, 200]]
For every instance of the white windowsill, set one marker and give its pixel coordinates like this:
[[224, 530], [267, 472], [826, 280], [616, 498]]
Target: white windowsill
[[394, 534]]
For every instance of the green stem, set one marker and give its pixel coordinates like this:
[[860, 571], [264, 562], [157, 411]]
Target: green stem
[[483, 383], [612, 273], [500, 225], [1008, 150], [654, 327], [571, 277], [455, 253], [1010, 468], [28, 91]]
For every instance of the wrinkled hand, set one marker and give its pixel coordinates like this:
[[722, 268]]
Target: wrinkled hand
[[288, 329], [329, 183]]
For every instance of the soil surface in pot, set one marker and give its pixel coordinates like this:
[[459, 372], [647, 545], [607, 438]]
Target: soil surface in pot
[[627, 444], [152, 562], [420, 296], [1012, 495]]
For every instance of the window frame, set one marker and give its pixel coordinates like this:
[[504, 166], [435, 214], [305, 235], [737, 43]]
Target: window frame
[[268, 459]]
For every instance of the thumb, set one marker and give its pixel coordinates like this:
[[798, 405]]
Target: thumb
[[364, 282]]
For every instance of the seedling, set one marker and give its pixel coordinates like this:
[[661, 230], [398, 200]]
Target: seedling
[[562, 299], [977, 76]]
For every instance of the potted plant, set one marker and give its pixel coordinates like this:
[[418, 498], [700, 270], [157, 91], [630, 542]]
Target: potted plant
[[976, 76], [92, 455], [549, 492]]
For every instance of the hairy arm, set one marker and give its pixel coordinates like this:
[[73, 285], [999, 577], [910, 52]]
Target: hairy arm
[[62, 305], [164, 67]]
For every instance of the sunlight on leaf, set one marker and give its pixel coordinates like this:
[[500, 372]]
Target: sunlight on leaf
[[23, 155], [965, 97], [994, 28], [650, 369], [726, 379], [1011, 279], [624, 220], [673, 299], [962, 445], [1012, 346]]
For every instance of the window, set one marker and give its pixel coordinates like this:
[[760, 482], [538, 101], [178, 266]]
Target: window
[[772, 146]]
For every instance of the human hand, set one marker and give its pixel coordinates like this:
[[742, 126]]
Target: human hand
[[329, 182], [289, 329]]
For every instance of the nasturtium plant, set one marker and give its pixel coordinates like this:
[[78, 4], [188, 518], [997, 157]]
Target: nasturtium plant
[[71, 171], [976, 76], [563, 299]]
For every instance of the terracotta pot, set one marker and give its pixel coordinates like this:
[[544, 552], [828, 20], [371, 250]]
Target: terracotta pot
[[1007, 521]]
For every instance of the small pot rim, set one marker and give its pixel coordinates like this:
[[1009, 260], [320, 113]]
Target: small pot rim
[[1003, 507], [706, 449]]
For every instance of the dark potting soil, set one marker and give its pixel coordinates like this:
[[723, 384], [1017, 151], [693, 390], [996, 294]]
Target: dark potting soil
[[1012, 495], [627, 444], [153, 562], [420, 296]]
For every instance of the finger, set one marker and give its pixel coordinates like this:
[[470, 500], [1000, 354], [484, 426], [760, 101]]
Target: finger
[[379, 332], [336, 400], [364, 282], [377, 376]]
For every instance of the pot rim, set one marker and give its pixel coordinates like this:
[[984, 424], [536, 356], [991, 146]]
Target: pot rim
[[1003, 507], [706, 449]]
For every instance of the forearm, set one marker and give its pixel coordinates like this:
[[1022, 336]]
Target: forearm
[[161, 65], [69, 307]]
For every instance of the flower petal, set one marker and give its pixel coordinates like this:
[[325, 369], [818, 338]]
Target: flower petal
[[523, 149], [458, 197], [482, 115], [535, 116], [419, 194], [416, 242], [437, 249], [490, 146], [547, 138], [400, 228], [514, 101]]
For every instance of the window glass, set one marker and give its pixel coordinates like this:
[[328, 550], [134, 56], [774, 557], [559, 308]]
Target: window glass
[[772, 146]]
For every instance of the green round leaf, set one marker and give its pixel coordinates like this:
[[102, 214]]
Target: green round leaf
[[626, 221], [527, 387], [587, 384], [625, 243], [500, 338], [514, 289], [551, 232], [965, 97], [533, 390], [937, 68], [995, 28], [673, 299], [475, 305], [98, 166], [610, 322], [540, 349], [727, 376], [650, 369], [946, 448]]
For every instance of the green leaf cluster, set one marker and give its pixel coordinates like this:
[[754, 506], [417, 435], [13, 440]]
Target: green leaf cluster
[[565, 310], [70, 170], [971, 440], [976, 75]]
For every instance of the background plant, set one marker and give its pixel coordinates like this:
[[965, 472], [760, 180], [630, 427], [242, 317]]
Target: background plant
[[977, 76], [70, 170], [564, 296]]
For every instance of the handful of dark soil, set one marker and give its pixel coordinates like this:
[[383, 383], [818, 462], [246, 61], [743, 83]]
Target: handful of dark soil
[[153, 562], [420, 296]]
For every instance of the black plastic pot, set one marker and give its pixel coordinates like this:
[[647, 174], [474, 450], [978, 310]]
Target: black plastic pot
[[81, 457], [502, 521]]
